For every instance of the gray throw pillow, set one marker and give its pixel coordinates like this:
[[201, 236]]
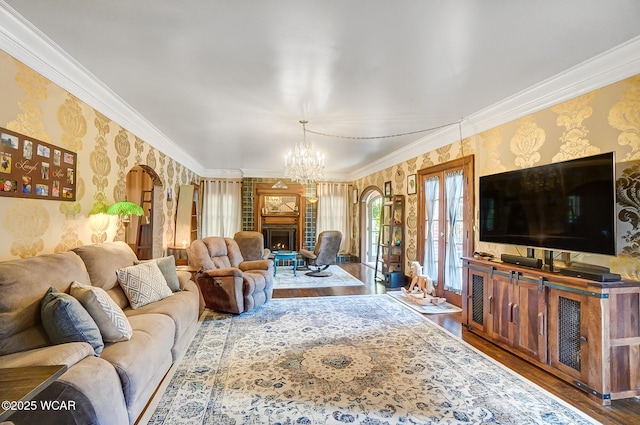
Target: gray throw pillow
[[167, 266], [65, 320]]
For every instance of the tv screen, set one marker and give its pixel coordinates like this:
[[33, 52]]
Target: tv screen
[[568, 206]]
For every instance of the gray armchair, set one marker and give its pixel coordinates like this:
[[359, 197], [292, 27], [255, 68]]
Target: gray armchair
[[324, 254]]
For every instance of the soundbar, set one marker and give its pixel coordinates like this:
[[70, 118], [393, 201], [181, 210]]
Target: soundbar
[[590, 274], [534, 263]]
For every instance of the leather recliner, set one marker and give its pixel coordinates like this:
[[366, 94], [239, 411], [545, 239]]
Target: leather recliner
[[324, 254], [229, 283]]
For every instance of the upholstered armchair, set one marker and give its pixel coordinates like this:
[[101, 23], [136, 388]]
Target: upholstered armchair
[[324, 254], [252, 245], [229, 283]]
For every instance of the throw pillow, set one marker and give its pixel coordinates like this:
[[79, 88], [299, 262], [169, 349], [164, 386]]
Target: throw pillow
[[143, 284], [65, 320], [111, 320], [167, 266]]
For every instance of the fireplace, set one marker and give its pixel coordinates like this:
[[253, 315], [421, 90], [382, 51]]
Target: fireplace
[[279, 215], [280, 237]]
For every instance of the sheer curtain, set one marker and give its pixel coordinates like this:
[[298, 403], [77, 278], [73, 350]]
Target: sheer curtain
[[334, 211], [453, 264], [430, 266], [221, 208]]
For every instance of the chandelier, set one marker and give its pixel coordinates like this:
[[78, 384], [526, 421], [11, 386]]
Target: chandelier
[[304, 164]]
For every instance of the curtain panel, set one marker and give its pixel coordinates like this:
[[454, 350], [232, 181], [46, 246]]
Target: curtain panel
[[221, 208], [334, 211]]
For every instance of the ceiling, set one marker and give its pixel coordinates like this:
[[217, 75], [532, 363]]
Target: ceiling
[[226, 82]]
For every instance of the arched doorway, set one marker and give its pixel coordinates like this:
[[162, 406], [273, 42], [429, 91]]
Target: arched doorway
[[370, 224], [144, 187]]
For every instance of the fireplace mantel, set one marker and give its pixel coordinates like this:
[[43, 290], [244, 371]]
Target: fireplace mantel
[[280, 208]]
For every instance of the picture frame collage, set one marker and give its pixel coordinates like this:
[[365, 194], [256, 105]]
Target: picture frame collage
[[31, 168]]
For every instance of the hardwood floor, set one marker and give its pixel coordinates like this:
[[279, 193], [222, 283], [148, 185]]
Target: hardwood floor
[[621, 412]]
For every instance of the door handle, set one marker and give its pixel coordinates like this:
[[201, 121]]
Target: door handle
[[541, 329], [511, 312], [491, 304]]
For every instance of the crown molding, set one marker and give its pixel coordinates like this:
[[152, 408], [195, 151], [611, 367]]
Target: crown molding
[[623, 61], [26, 43]]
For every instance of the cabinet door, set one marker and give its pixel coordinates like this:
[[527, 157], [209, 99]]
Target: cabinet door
[[501, 326], [474, 301], [529, 316], [567, 333]]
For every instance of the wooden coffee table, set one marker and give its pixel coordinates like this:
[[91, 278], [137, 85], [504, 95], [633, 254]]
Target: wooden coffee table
[[22, 384]]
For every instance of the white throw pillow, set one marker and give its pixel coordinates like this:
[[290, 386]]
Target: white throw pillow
[[111, 320], [143, 284]]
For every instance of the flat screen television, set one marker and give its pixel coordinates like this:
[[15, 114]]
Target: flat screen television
[[567, 206]]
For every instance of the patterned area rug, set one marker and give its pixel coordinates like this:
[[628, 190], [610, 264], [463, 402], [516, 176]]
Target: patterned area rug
[[285, 279], [345, 360]]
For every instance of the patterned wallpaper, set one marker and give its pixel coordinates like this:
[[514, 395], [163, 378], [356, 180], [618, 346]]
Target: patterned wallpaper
[[605, 120], [34, 106]]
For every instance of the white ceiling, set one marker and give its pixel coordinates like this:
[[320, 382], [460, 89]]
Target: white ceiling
[[228, 81]]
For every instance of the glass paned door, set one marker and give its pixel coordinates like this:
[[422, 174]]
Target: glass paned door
[[374, 206], [445, 210]]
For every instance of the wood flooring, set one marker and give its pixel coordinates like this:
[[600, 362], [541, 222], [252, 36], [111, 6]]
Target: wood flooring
[[621, 412]]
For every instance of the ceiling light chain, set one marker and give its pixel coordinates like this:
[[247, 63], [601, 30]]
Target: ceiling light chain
[[382, 137]]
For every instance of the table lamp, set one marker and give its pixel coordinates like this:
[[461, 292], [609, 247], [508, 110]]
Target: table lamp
[[125, 210]]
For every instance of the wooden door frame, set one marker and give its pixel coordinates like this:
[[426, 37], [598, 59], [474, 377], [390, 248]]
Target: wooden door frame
[[465, 163]]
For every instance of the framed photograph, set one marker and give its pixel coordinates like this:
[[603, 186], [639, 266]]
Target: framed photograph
[[412, 187], [387, 189]]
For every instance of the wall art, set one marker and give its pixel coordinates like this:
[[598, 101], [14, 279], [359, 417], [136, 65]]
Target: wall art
[[31, 168]]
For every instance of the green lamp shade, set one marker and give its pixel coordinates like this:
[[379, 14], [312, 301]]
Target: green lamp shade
[[125, 208]]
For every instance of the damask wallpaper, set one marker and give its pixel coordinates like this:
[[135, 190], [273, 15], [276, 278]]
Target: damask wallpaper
[[607, 119], [604, 120], [34, 106]]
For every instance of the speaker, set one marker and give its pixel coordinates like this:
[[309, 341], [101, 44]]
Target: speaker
[[534, 263], [394, 279], [590, 274]]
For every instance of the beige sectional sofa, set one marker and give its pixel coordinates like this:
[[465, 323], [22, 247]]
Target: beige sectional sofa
[[115, 386]]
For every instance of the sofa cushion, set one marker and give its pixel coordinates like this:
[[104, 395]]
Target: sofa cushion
[[23, 284], [143, 284], [182, 307], [103, 259], [67, 354], [109, 317], [138, 360], [65, 320], [167, 266]]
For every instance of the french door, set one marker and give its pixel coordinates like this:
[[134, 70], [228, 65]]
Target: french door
[[372, 202], [446, 224]]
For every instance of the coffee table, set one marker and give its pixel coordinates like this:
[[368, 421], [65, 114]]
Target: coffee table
[[285, 255]]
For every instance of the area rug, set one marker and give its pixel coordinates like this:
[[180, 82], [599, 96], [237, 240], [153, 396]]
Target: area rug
[[345, 360], [426, 308], [284, 279]]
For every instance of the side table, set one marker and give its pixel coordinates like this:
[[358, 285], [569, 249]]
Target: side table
[[191, 269], [179, 253], [285, 255], [24, 383]]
